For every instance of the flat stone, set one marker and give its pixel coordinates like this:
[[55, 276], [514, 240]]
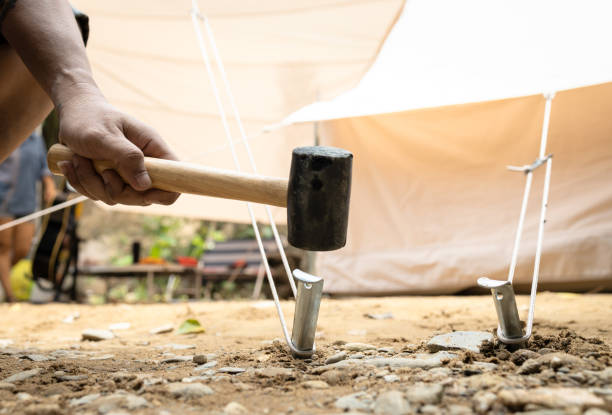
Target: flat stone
[[356, 356], [358, 347], [459, 340], [84, 400], [72, 378], [335, 358], [234, 408], [549, 397], [425, 393], [189, 390], [391, 403], [166, 328], [38, 357], [97, 335], [118, 400], [21, 376], [359, 401], [382, 316], [192, 379], [231, 370], [391, 378], [177, 359], [175, 346], [44, 409], [431, 361], [272, 372], [315, 384], [200, 359], [103, 357], [522, 355], [206, 366], [5, 386]]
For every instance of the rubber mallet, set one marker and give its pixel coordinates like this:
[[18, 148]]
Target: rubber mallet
[[316, 195]]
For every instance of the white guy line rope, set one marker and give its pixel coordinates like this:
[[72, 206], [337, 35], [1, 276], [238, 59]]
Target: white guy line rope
[[43, 212], [194, 15]]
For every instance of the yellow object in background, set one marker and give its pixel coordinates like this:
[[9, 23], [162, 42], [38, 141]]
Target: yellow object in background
[[21, 279]]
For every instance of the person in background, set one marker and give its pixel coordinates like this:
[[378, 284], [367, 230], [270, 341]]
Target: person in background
[[19, 174]]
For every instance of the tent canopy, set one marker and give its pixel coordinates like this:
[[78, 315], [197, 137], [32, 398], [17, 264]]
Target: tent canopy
[[278, 55], [445, 52]]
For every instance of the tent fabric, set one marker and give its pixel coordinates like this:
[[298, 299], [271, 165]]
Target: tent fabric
[[434, 208], [278, 55], [446, 52]]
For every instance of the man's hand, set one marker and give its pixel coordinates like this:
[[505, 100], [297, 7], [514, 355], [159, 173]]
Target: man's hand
[[95, 130]]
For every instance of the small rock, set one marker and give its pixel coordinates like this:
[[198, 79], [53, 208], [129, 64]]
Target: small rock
[[459, 340], [72, 378], [391, 378], [427, 362], [335, 358], [166, 328], [272, 372], [357, 401], [425, 393], [234, 408], [103, 357], [357, 356], [5, 386], [383, 316], [389, 350], [231, 370], [189, 390], [315, 384], [358, 347], [23, 396], [44, 409], [391, 403], [177, 359], [97, 335], [21, 376], [334, 377], [38, 357], [84, 400], [206, 366], [192, 379], [118, 400], [200, 359], [549, 397]]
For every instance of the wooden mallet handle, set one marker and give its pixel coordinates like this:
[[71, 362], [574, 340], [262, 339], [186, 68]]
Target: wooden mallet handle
[[177, 176]]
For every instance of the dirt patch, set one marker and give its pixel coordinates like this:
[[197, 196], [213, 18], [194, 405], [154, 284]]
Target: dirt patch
[[141, 373]]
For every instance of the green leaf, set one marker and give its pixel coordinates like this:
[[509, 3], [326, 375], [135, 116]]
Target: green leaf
[[191, 325]]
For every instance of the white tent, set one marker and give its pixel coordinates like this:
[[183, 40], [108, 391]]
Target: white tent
[[453, 97]]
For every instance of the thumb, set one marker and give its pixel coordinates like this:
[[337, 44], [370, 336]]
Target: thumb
[[129, 162]]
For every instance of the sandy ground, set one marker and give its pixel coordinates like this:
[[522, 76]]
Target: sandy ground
[[129, 375]]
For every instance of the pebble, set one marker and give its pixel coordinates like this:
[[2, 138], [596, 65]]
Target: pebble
[[26, 374], [334, 377], [391, 378], [189, 390], [192, 379], [431, 361], [358, 347], [356, 356], [272, 372], [97, 335], [84, 400], [231, 370], [234, 408], [425, 393], [121, 399], [23, 396], [383, 316], [549, 397], [459, 340], [166, 328], [315, 384], [177, 359], [521, 355], [391, 403], [103, 357], [357, 401], [38, 357], [5, 386], [72, 378], [200, 359], [335, 358], [44, 409], [206, 366]]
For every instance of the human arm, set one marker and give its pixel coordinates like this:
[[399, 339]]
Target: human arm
[[46, 37]]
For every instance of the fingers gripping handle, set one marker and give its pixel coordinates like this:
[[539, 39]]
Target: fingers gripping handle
[[176, 176]]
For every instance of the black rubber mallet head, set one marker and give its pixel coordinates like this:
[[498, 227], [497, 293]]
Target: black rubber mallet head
[[316, 195]]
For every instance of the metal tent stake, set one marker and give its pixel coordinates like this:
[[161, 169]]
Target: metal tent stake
[[510, 330], [309, 291]]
